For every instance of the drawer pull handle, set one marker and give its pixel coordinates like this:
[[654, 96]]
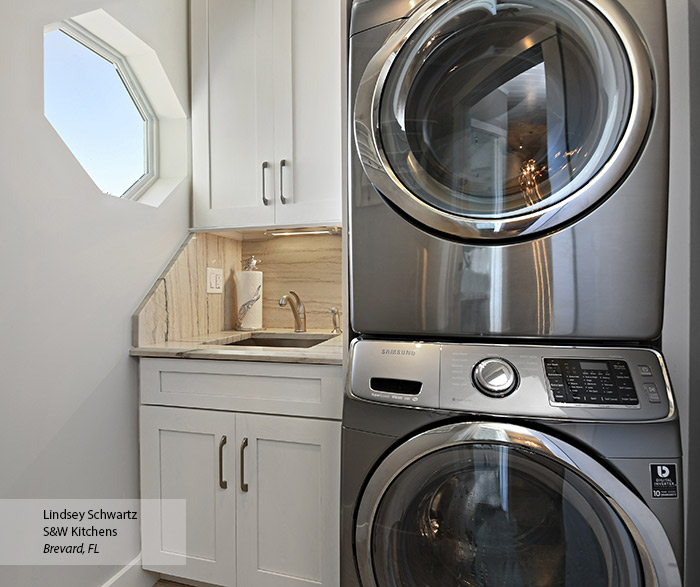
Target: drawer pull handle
[[222, 483], [283, 163], [264, 199], [244, 485]]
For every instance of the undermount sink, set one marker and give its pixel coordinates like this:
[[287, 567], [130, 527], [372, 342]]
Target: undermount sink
[[300, 341]]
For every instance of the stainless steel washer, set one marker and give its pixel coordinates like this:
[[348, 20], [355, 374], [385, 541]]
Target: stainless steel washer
[[508, 168], [572, 479]]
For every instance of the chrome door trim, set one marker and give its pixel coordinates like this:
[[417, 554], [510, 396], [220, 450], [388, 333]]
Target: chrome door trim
[[659, 565], [378, 169]]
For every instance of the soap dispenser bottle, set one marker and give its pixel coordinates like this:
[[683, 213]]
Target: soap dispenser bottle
[[249, 284]]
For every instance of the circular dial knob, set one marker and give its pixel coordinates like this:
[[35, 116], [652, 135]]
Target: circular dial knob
[[495, 377]]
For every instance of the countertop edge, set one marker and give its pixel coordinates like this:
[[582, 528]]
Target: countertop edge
[[238, 355], [325, 353]]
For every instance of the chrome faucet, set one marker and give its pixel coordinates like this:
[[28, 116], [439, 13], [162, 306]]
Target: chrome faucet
[[297, 307]]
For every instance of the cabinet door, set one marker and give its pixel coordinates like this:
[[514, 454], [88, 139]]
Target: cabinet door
[[232, 113], [288, 519], [182, 457], [308, 111]]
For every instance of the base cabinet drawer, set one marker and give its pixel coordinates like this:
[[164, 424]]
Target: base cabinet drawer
[[262, 496], [274, 388]]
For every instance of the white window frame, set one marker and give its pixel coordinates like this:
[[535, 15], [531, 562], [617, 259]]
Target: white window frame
[[133, 87]]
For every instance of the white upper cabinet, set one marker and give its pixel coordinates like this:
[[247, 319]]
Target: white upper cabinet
[[266, 113]]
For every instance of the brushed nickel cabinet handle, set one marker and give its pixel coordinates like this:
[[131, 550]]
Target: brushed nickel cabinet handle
[[283, 164], [264, 199], [223, 484], [244, 485]]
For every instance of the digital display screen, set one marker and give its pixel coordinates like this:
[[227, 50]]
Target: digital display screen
[[590, 366]]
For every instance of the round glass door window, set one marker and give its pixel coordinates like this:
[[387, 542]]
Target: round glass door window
[[484, 111], [483, 515]]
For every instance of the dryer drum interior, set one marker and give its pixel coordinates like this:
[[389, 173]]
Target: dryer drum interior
[[485, 119], [511, 511]]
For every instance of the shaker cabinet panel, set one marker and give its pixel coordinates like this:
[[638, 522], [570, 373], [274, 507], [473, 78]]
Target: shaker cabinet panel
[[266, 112], [232, 93], [262, 487], [313, 119], [262, 497], [290, 510], [184, 456], [274, 388]]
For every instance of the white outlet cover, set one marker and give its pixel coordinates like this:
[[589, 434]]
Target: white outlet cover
[[215, 280]]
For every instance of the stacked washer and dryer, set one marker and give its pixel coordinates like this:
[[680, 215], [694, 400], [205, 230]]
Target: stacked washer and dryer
[[509, 420]]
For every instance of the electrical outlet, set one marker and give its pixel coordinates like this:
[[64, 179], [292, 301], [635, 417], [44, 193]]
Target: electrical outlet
[[215, 280]]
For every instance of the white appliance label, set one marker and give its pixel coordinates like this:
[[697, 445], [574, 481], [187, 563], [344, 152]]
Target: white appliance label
[[664, 481]]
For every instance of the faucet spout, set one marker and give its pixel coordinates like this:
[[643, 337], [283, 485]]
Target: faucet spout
[[297, 308]]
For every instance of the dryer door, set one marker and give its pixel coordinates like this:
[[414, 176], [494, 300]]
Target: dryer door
[[487, 119], [493, 504]]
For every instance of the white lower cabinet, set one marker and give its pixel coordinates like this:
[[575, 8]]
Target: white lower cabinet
[[288, 518], [262, 495], [179, 460]]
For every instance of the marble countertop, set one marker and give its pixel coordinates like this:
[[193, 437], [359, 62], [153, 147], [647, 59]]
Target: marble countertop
[[214, 346]]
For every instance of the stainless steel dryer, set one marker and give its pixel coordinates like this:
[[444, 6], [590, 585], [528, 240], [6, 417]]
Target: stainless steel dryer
[[508, 168], [509, 466]]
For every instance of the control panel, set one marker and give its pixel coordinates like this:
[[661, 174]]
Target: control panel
[[577, 381], [560, 382]]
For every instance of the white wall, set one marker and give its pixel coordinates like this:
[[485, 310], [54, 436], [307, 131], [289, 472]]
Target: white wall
[[74, 266]]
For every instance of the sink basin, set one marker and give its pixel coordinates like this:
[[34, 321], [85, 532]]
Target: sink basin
[[299, 341]]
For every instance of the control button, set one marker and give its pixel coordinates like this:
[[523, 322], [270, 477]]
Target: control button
[[552, 367], [557, 387], [623, 379], [556, 384], [644, 370], [495, 377], [652, 393]]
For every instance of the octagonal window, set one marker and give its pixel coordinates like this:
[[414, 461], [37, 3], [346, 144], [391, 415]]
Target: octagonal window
[[94, 102]]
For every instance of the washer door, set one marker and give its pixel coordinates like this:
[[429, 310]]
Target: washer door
[[498, 505], [486, 119]]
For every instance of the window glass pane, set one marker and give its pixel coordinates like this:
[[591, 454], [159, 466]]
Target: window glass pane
[[494, 108], [497, 516], [88, 104]]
